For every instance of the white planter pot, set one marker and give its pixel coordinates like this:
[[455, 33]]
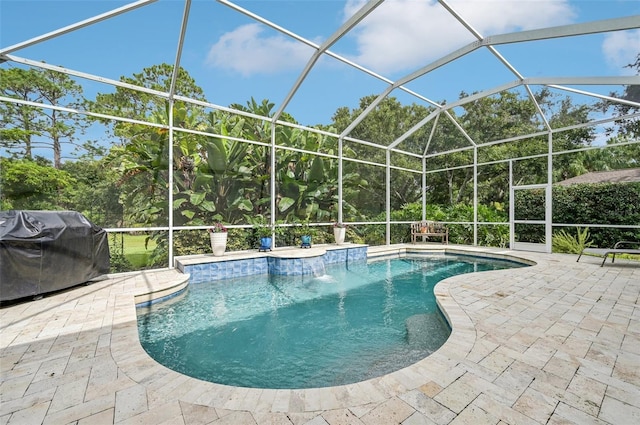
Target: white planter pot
[[218, 243], [338, 234]]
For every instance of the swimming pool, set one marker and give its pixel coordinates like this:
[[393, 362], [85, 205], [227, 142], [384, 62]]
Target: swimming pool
[[351, 324]]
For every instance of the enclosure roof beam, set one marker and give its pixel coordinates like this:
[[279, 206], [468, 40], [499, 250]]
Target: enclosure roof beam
[[84, 75], [333, 55], [606, 25], [415, 128], [366, 112], [439, 62], [268, 23], [547, 81], [594, 27], [463, 149], [328, 52], [433, 131], [599, 96], [424, 70], [176, 66], [538, 107], [398, 84], [516, 138], [592, 123], [585, 81], [479, 37], [459, 127], [142, 89], [544, 133], [77, 25], [624, 80], [483, 94], [453, 105], [345, 28]]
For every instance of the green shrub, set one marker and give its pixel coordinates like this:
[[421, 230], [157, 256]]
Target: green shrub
[[564, 242], [241, 239], [605, 203], [188, 242]]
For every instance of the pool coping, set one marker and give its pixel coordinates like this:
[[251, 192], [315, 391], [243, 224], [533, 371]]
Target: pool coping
[[557, 342], [374, 390], [281, 252]]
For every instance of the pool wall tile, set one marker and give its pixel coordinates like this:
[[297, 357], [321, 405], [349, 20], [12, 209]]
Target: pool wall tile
[[218, 270], [336, 256], [226, 269], [356, 254], [260, 266], [287, 266]]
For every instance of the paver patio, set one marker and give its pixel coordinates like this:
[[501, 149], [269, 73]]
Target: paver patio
[[554, 343]]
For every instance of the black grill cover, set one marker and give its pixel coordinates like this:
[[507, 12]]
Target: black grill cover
[[44, 251]]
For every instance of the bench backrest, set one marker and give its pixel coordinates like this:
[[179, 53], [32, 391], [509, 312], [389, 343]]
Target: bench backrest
[[427, 227]]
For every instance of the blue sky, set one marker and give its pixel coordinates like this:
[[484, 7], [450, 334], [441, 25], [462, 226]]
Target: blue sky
[[233, 57]]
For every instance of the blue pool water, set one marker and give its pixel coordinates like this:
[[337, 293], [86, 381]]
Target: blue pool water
[[351, 324]]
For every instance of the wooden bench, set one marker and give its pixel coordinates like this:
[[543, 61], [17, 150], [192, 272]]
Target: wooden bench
[[425, 229], [612, 251]]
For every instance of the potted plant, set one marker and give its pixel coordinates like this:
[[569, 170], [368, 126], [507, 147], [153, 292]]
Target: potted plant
[[264, 232], [305, 233], [339, 231], [218, 236]]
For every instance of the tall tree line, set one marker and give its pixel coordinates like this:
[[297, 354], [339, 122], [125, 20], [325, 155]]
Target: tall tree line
[[225, 179]]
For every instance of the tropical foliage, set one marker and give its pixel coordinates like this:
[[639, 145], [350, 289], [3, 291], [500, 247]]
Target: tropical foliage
[[566, 242], [224, 164]]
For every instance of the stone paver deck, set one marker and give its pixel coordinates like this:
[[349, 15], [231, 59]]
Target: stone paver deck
[[555, 343]]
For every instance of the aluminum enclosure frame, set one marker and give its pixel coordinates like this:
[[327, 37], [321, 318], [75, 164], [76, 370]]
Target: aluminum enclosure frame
[[490, 43]]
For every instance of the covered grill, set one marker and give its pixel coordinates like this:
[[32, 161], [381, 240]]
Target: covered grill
[[45, 251]]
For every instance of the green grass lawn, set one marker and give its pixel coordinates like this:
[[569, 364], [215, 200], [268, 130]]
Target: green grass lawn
[[135, 251]]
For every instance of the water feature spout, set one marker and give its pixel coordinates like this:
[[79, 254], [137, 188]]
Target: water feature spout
[[313, 266]]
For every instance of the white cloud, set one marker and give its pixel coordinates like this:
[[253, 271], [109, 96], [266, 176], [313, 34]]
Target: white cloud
[[407, 34], [247, 51], [620, 49], [400, 35]]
